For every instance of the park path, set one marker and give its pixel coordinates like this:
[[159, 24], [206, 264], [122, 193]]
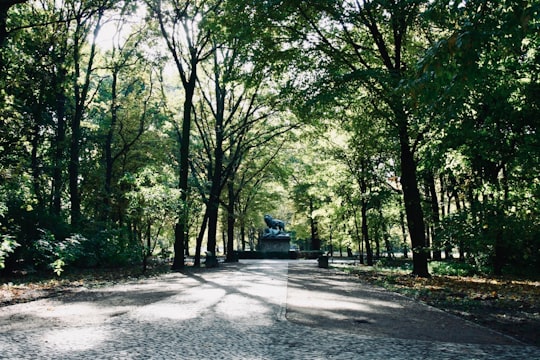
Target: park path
[[271, 309]]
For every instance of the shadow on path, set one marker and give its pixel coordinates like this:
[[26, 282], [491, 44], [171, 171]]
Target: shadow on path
[[335, 301]]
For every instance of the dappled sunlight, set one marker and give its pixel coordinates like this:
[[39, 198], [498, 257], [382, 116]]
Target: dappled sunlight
[[238, 307], [74, 339], [191, 304], [320, 300], [79, 312], [172, 311]]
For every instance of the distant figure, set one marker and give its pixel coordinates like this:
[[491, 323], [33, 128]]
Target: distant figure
[[349, 251]]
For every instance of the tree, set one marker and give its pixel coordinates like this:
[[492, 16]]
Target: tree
[[476, 75], [152, 206], [240, 119], [189, 44], [368, 44], [4, 8]]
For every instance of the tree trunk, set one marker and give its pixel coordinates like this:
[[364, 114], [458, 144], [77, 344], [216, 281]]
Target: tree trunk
[[413, 208], [315, 241], [403, 233], [108, 149], [182, 226], [81, 94], [230, 224], [73, 169], [215, 193], [429, 225], [357, 235], [434, 216], [60, 139], [455, 194], [148, 248], [243, 235], [34, 157], [365, 233], [198, 243]]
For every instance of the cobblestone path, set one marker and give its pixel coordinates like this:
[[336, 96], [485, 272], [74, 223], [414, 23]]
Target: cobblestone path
[[237, 312]]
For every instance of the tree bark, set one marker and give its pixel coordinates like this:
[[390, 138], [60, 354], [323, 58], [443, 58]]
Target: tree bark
[[60, 142], [365, 233], [413, 208], [108, 149], [315, 241], [230, 224], [182, 225], [434, 216], [215, 189], [81, 94], [198, 241]]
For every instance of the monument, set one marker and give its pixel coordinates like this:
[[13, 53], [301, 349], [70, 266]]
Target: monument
[[274, 238]]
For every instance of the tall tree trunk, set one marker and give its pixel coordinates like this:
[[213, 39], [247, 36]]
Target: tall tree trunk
[[34, 157], [108, 149], [411, 198], [403, 233], [243, 235], [455, 194], [74, 169], [434, 216], [428, 224], [148, 247], [81, 94], [315, 240], [215, 194], [181, 230], [365, 233], [198, 241], [447, 243], [60, 143], [231, 219], [358, 236], [363, 213]]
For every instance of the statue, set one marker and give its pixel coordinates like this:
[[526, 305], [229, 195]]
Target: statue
[[275, 226], [274, 223], [274, 240]]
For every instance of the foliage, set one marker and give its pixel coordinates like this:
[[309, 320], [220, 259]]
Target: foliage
[[152, 208], [394, 97], [7, 246], [57, 255], [453, 268], [110, 248]]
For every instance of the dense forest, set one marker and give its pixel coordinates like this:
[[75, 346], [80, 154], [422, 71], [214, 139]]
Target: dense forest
[[166, 128]]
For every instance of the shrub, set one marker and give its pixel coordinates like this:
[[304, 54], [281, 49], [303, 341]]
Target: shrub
[[50, 253], [452, 268], [7, 246], [111, 248]]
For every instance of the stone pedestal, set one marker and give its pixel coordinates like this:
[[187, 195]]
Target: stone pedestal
[[279, 243]]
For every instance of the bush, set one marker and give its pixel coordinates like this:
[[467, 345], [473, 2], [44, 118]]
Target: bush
[[452, 268], [7, 246], [111, 248], [49, 253]]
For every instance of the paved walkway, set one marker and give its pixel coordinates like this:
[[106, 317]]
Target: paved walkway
[[268, 309]]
